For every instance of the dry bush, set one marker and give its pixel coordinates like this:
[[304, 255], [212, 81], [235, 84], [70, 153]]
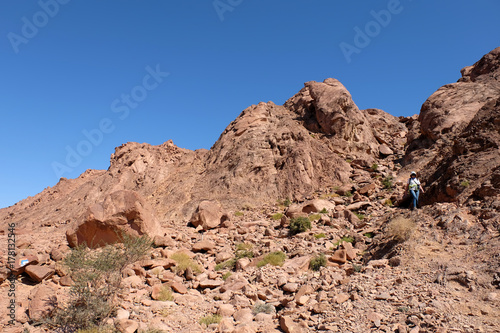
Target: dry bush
[[401, 229]]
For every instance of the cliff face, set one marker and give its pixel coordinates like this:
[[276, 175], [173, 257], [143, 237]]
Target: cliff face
[[455, 141]]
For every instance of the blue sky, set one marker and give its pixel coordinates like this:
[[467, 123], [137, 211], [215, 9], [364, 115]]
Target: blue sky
[[83, 77]]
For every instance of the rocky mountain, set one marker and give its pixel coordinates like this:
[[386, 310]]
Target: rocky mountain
[[225, 210]]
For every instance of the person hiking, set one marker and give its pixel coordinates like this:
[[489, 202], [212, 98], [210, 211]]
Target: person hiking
[[413, 185]]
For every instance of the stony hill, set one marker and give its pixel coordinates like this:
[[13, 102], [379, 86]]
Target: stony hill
[[364, 263]]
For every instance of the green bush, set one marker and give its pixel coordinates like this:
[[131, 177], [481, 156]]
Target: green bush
[[465, 183], [347, 239], [166, 294], [321, 235], [277, 216], [210, 319], [387, 182], [231, 263], [238, 213], [401, 229], [183, 262], [314, 217], [348, 194], [359, 215], [299, 224], [274, 258], [226, 275], [97, 276], [317, 262], [323, 211], [374, 166]]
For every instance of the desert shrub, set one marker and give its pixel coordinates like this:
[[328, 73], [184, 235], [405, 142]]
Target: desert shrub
[[465, 183], [321, 235], [347, 239], [299, 224], [277, 216], [359, 215], [317, 262], [238, 213], [323, 211], [231, 263], [226, 275], [357, 268], [244, 250], [374, 166], [183, 262], [368, 234], [400, 229], [387, 182], [348, 194], [97, 276], [314, 217], [388, 202], [166, 294], [274, 258], [287, 202], [210, 319], [261, 307]]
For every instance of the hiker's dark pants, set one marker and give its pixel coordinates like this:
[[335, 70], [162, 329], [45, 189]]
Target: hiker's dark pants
[[414, 195]]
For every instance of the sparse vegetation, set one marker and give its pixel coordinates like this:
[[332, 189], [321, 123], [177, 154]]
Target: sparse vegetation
[[400, 228], [261, 307], [97, 329], [274, 258], [183, 262], [238, 213], [166, 294], [287, 202], [314, 217], [277, 216], [347, 239], [374, 167], [226, 275], [97, 276], [388, 202], [348, 194], [226, 264], [299, 224], [357, 268], [464, 183], [321, 235], [387, 182], [323, 211], [359, 215], [244, 250], [368, 234], [210, 319], [317, 262]]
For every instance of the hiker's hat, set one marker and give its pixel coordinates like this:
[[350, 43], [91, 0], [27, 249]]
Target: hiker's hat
[[413, 173]]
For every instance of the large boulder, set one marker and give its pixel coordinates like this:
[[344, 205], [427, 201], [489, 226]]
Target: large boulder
[[208, 215], [121, 212]]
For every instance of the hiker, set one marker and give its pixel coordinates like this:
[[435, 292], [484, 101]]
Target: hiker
[[414, 187]]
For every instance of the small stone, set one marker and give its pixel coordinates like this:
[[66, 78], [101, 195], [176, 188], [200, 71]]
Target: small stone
[[39, 273], [226, 310], [341, 298], [383, 296], [179, 288], [288, 326], [291, 287], [204, 245], [340, 256], [207, 283], [66, 281], [126, 325]]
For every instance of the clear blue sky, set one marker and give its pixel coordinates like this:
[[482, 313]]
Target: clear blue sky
[[73, 66]]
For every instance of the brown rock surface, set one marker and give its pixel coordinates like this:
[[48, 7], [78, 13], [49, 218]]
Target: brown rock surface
[[121, 212]]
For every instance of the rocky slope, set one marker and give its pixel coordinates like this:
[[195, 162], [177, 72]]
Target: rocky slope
[[387, 269]]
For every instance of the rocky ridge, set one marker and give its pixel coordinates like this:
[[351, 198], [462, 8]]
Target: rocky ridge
[[387, 269]]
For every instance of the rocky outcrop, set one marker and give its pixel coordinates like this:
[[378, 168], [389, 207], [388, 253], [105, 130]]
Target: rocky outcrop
[[122, 212], [455, 141]]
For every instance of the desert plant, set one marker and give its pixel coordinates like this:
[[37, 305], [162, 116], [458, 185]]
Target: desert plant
[[387, 182], [274, 258], [277, 216], [299, 224], [321, 235], [465, 183], [244, 250], [347, 239], [210, 319], [314, 217], [323, 211], [400, 229], [287, 202], [166, 294], [261, 307], [388, 202], [348, 194], [238, 213], [368, 234], [357, 268], [97, 329], [183, 262], [359, 215], [97, 276], [374, 166], [226, 275], [317, 262], [231, 263]]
